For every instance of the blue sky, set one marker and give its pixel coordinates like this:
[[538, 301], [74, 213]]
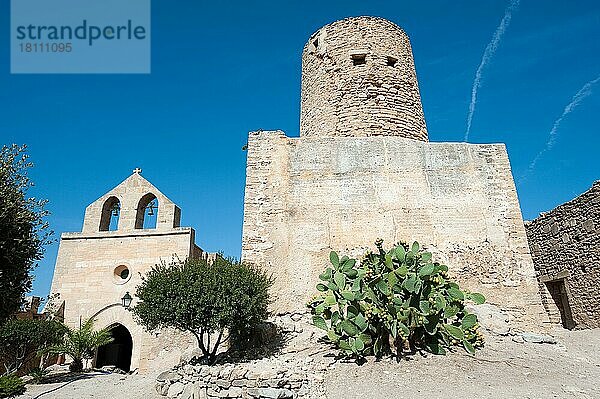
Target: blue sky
[[221, 69]]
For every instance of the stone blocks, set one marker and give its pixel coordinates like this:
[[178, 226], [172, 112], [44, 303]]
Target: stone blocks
[[307, 196], [565, 245], [359, 79]]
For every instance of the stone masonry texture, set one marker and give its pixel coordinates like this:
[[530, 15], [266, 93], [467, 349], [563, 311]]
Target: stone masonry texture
[[347, 181], [310, 195], [565, 245], [359, 79]]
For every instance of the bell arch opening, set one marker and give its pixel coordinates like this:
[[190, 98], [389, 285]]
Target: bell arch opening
[[147, 212], [111, 212], [118, 352]]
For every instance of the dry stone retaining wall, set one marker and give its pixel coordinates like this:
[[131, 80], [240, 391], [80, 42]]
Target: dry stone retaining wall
[[240, 381]]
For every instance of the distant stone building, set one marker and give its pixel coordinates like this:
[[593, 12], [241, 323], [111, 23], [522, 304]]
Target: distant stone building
[[565, 245], [125, 232], [30, 308], [363, 169]]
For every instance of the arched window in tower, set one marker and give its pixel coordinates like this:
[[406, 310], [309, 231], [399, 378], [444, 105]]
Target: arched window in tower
[[111, 210], [147, 212]]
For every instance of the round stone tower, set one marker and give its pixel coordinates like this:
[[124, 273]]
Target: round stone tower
[[359, 79]]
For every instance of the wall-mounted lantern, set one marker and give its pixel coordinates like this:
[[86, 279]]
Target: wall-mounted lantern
[[126, 300]]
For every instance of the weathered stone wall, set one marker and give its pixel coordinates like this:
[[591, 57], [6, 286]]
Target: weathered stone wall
[[250, 380], [377, 97], [306, 196], [565, 245], [87, 268]]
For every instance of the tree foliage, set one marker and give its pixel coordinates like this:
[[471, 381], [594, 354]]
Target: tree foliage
[[22, 339], [394, 301], [23, 231], [219, 301], [81, 344]]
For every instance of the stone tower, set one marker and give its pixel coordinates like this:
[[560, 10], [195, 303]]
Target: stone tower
[[359, 79], [363, 169]]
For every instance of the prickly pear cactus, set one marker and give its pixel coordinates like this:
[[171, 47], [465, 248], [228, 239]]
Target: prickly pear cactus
[[395, 301]]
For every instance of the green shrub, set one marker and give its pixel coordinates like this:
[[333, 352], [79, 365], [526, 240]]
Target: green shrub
[[21, 340], [221, 300], [11, 386], [394, 302]]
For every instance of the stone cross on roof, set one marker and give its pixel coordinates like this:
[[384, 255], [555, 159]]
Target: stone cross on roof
[[137, 171]]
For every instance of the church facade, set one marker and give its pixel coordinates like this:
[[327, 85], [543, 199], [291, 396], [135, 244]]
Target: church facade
[[125, 233]]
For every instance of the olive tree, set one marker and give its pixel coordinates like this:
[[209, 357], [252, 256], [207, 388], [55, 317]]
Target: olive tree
[[23, 231], [215, 301]]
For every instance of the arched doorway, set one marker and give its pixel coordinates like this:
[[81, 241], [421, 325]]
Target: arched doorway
[[118, 352]]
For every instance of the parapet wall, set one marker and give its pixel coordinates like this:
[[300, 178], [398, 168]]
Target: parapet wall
[[359, 79], [307, 196], [565, 245]]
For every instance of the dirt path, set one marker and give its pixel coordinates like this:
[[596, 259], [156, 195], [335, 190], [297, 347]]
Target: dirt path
[[504, 369], [96, 385]]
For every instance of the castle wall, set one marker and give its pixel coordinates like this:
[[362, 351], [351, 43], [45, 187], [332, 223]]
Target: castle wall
[[306, 196], [359, 79], [85, 278], [565, 245]]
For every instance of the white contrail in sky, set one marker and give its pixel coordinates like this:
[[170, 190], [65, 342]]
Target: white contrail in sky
[[489, 52], [584, 92]]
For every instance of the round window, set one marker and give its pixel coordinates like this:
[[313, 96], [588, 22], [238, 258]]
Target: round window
[[121, 274]]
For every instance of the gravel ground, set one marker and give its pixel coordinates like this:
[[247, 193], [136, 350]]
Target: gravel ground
[[503, 369], [96, 385]]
